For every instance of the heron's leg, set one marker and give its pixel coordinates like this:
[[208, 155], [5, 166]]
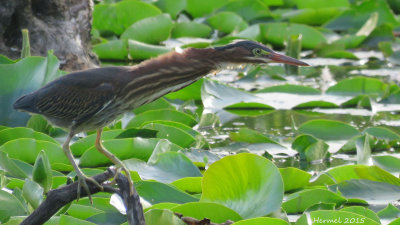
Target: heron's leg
[[113, 158], [81, 176]]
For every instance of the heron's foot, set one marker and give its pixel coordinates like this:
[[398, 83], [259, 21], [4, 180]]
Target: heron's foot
[[82, 179]]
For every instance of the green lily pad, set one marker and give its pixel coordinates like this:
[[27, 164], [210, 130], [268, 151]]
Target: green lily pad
[[26, 149], [217, 95], [119, 16], [359, 102], [199, 8], [160, 103], [315, 4], [335, 217], [371, 191], [82, 212], [348, 172], [250, 136], [232, 181], [139, 50], [156, 192], [389, 213], [316, 104], [248, 9], [382, 132], [190, 29], [362, 211], [65, 219], [387, 162], [313, 16], [127, 148], [248, 106], [188, 184], [115, 49], [10, 206], [217, 213], [190, 92], [172, 7], [262, 220], [162, 114], [294, 178], [298, 202], [174, 134], [162, 216], [151, 30], [169, 167], [292, 89], [28, 75], [328, 129], [107, 218], [83, 144], [227, 22], [276, 33], [355, 17], [22, 132], [11, 166], [33, 193], [359, 86]]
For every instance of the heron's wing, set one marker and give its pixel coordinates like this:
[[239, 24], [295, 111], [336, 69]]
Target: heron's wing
[[71, 102]]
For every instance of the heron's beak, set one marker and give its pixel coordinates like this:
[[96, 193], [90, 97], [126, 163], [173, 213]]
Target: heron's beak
[[276, 57]]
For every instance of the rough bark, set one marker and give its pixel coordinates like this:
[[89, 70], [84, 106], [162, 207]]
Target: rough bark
[[60, 25]]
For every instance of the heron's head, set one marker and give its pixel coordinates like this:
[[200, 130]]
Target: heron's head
[[244, 51]]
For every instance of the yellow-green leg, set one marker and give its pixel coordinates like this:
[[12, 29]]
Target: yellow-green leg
[[113, 158], [81, 176]]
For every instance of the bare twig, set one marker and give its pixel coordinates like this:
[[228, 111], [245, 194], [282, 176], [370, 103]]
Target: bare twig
[[60, 197], [134, 210]]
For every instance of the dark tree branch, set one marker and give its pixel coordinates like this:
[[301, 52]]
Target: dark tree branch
[[58, 198], [134, 210]]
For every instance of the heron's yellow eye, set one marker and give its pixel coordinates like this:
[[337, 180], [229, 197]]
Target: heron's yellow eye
[[257, 51]]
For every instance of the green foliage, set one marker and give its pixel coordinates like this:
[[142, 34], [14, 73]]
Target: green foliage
[[176, 147]]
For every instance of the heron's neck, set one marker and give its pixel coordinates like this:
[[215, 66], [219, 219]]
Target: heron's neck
[[190, 63], [154, 78]]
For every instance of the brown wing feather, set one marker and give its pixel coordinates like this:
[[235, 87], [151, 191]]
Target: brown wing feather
[[72, 102]]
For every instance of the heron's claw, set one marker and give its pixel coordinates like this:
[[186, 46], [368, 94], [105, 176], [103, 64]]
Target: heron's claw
[[82, 179]]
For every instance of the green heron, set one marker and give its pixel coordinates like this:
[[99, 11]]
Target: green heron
[[91, 99]]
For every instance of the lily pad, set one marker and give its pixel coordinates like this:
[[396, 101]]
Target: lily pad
[[190, 29], [227, 22], [276, 33], [156, 192], [298, 202], [335, 217], [151, 30], [162, 216], [26, 149], [169, 167], [232, 181], [294, 178], [328, 129], [199, 8], [349, 172], [217, 213], [117, 17], [371, 191], [22, 132], [23, 77], [290, 88], [162, 114], [261, 220], [139, 148], [10, 206], [359, 86]]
